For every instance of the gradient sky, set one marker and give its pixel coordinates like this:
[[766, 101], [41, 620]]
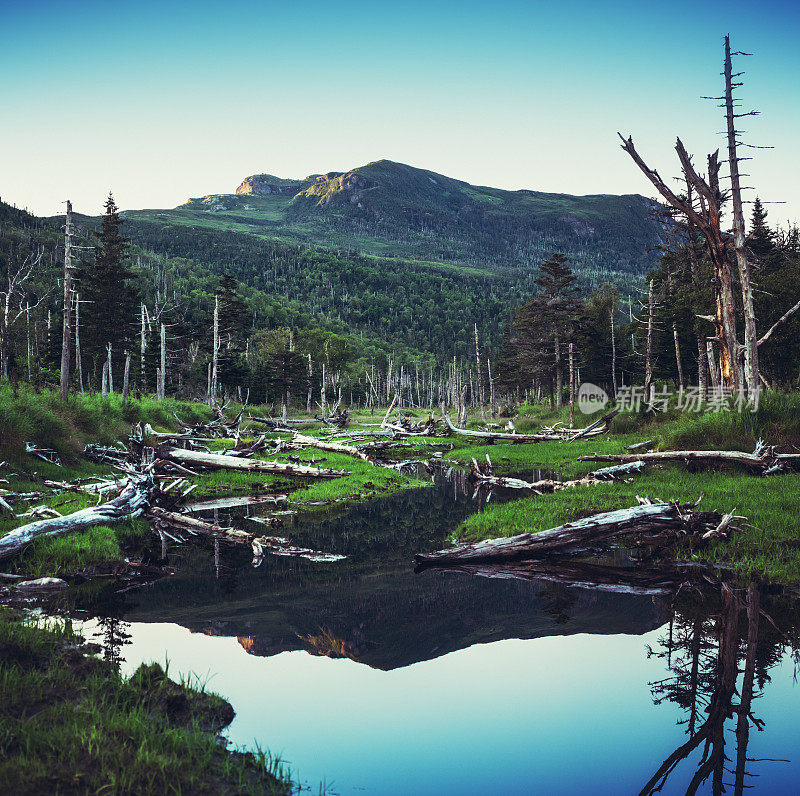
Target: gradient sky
[[159, 101]]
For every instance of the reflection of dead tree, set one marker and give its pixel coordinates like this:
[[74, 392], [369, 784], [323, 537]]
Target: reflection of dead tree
[[722, 686], [712, 731]]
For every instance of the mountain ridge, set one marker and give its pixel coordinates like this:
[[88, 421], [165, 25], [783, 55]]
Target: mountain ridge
[[387, 208]]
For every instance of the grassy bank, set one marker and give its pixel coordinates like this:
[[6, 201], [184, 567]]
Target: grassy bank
[[69, 723], [770, 549]]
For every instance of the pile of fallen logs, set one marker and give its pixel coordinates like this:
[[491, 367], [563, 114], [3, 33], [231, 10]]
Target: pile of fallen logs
[[651, 523], [763, 459], [219, 427]]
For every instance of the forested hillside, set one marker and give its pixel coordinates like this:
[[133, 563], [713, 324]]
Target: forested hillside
[[391, 209]]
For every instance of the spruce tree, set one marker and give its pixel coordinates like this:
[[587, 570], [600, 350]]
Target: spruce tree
[[111, 299]]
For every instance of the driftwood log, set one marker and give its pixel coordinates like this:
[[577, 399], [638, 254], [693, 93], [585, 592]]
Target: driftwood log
[[220, 461], [131, 502], [654, 522]]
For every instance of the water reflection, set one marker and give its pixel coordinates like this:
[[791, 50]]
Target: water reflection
[[471, 661], [719, 660]]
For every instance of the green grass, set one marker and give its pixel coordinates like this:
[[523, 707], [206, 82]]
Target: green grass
[[39, 416], [770, 549], [71, 723]]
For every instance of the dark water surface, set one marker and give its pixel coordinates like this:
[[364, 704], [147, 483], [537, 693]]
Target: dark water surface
[[374, 679]]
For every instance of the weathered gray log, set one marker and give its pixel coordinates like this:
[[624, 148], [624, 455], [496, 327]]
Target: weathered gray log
[[618, 471], [758, 461], [219, 461], [276, 545], [131, 502], [485, 476], [639, 445], [604, 421], [648, 519], [335, 447], [499, 435]]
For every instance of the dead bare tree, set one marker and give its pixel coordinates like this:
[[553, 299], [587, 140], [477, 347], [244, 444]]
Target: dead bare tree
[[750, 337], [14, 301], [706, 217], [67, 330]]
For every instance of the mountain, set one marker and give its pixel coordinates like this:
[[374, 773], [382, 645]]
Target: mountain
[[390, 209]]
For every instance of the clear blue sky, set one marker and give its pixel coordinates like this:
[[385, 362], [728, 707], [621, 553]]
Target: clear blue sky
[[159, 101]]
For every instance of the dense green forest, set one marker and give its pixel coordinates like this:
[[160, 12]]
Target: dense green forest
[[375, 325]]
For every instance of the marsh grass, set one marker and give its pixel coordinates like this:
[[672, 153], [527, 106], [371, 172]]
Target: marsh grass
[[71, 723], [769, 549]]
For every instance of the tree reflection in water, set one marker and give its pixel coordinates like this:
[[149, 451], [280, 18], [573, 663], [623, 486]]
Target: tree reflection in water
[[704, 649]]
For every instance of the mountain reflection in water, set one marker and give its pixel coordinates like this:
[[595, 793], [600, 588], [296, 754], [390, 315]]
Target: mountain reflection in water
[[601, 692]]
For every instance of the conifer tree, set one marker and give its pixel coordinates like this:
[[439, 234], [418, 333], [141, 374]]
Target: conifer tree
[[111, 299]]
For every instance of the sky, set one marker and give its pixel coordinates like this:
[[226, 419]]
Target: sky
[[160, 101]]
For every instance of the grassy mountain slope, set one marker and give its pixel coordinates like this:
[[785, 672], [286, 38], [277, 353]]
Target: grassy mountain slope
[[391, 209]]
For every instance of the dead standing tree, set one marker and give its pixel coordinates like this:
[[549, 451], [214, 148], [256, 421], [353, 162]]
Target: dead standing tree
[[706, 217], [14, 302]]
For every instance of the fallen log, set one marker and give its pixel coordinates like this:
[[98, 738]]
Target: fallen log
[[500, 435], [604, 421], [335, 447], [651, 521], [219, 461], [131, 502], [484, 475], [276, 545], [762, 459]]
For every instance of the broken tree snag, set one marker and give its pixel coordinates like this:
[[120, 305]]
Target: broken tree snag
[[131, 502], [763, 459], [219, 461], [652, 522]]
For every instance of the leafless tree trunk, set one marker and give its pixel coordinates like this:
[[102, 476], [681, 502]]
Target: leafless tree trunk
[[163, 370], [126, 377], [713, 370], [215, 353], [559, 376], [480, 395], [648, 361], [110, 369], [707, 221], [572, 379], [142, 347], [613, 356], [78, 355], [678, 356], [67, 332], [750, 337], [310, 384], [702, 361]]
